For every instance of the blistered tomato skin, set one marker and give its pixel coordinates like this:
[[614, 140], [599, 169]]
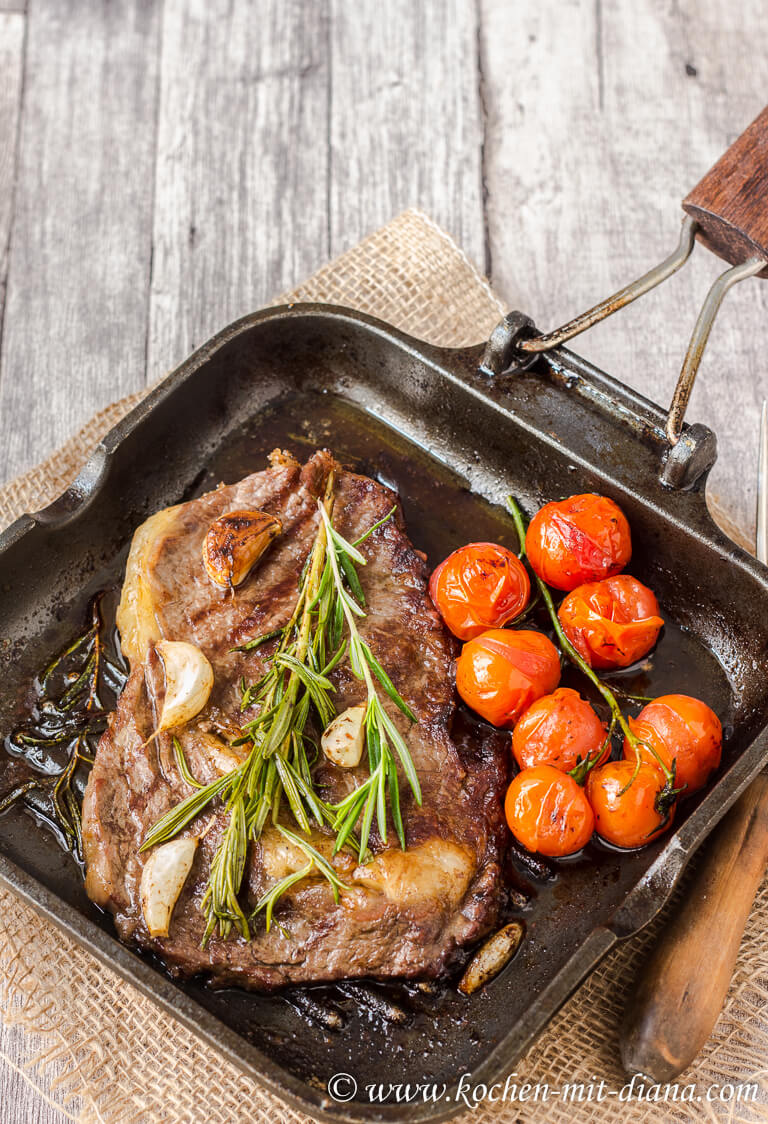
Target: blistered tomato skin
[[581, 539], [611, 623], [681, 729], [627, 818], [548, 812], [561, 730], [479, 586], [500, 673]]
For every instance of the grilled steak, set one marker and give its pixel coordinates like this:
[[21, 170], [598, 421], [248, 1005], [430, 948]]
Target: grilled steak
[[406, 913]]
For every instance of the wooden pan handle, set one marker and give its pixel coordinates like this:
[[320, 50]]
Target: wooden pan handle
[[682, 987], [731, 203]]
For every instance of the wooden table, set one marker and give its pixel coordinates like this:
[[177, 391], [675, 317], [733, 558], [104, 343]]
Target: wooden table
[[169, 165]]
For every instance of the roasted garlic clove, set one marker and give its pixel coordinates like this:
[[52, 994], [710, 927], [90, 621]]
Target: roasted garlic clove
[[344, 740], [188, 682], [224, 758], [491, 957], [235, 542], [165, 872]]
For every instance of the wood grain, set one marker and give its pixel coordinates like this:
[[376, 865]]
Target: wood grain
[[23, 1096], [729, 203], [242, 164], [76, 306], [592, 143], [677, 1004], [11, 56], [406, 124]]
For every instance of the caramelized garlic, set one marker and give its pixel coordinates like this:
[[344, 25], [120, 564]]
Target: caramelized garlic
[[235, 542]]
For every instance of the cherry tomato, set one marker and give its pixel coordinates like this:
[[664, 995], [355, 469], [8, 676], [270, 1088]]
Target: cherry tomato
[[611, 623], [479, 586], [581, 539], [682, 729], [500, 673], [560, 729], [632, 818], [548, 812]]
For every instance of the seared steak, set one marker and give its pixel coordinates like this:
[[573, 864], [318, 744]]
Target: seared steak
[[407, 913]]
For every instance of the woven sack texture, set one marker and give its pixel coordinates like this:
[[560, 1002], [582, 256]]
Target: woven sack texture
[[101, 1052]]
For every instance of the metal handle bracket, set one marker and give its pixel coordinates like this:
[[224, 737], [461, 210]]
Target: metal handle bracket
[[514, 344], [683, 464]]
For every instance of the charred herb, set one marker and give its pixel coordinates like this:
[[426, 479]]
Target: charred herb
[[58, 742]]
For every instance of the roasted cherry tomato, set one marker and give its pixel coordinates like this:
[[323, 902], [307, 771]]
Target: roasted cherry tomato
[[479, 586], [548, 812], [581, 539], [680, 729], [632, 818], [500, 673], [561, 730], [611, 623]]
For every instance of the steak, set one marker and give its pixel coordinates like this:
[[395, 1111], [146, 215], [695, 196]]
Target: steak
[[406, 913]]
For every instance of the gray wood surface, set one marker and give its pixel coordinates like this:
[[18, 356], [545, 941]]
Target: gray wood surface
[[75, 323], [177, 162], [11, 62], [241, 199], [599, 123], [405, 119]]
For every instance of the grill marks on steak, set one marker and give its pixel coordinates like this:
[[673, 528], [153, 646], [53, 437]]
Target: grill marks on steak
[[407, 913]]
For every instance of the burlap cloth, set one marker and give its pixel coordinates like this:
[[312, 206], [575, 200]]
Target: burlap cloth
[[101, 1052]]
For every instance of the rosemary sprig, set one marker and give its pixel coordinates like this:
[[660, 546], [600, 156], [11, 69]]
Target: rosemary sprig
[[67, 718], [316, 861], [293, 695], [381, 734]]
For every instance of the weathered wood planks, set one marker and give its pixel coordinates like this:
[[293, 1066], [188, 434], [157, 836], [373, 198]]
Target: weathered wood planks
[[76, 306], [599, 122], [275, 150], [11, 59], [242, 164], [406, 124]]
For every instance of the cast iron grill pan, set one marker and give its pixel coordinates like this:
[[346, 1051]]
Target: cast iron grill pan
[[453, 441]]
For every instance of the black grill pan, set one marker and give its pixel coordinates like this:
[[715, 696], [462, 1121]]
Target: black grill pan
[[454, 438]]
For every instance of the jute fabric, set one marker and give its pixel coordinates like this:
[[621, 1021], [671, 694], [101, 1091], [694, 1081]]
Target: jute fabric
[[100, 1051]]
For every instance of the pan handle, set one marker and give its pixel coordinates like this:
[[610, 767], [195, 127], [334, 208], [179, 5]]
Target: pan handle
[[729, 203], [726, 212], [682, 464]]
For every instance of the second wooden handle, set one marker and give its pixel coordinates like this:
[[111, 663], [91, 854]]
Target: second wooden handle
[[729, 203], [683, 986]]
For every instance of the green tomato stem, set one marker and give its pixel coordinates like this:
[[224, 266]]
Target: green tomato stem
[[576, 658]]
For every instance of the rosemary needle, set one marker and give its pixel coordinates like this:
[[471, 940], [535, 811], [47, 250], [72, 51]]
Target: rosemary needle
[[294, 696]]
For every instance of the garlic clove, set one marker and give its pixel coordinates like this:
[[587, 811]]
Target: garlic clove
[[491, 957], [235, 542], [164, 874], [344, 740], [188, 682], [224, 758]]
